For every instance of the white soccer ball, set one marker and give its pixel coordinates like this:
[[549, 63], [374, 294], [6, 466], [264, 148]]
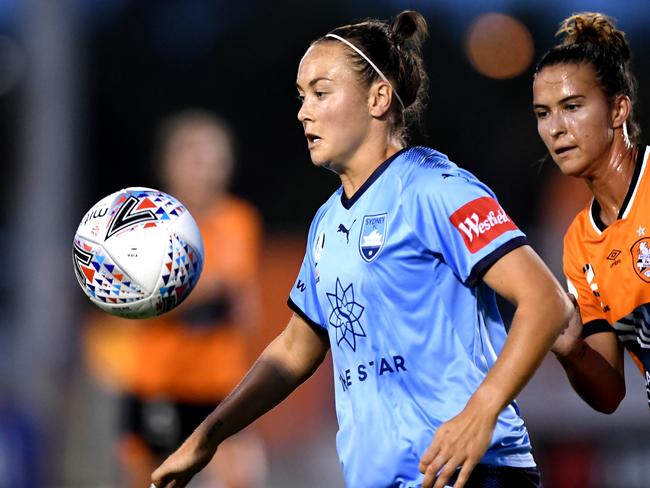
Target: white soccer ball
[[137, 253]]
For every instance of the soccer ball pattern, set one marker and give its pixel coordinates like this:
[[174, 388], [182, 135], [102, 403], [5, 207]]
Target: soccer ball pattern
[[137, 253]]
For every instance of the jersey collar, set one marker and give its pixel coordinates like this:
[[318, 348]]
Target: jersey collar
[[639, 168], [348, 202]]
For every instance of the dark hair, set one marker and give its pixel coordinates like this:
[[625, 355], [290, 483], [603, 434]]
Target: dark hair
[[396, 49], [591, 37]]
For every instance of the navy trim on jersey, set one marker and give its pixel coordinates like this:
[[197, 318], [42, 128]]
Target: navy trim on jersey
[[595, 206], [319, 329], [486, 263], [348, 202], [596, 326]]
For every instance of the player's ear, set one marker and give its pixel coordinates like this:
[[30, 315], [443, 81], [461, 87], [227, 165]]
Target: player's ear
[[379, 101], [621, 108]]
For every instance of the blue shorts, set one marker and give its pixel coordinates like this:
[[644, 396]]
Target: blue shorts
[[487, 476]]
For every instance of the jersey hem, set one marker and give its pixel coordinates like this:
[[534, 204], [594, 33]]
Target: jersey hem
[[510, 460]]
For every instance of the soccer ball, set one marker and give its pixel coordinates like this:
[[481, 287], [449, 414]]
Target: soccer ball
[[137, 253]]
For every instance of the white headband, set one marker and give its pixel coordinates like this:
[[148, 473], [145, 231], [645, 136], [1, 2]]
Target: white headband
[[360, 53]]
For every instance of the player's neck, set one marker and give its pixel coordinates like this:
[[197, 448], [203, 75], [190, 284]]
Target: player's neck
[[364, 163], [611, 183], [202, 203]]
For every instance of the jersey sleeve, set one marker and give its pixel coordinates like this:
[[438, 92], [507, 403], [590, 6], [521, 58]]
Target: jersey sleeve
[[580, 276], [303, 298], [458, 217]]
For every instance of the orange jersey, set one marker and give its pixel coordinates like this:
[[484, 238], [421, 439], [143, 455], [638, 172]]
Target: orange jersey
[[170, 357], [608, 267]]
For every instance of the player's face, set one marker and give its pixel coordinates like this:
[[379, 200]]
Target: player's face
[[574, 117], [334, 111], [197, 162]]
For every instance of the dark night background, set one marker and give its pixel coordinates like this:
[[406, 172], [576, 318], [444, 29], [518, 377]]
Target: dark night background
[[83, 87]]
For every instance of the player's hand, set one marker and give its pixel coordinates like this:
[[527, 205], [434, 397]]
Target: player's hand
[[459, 442], [181, 466], [569, 338]]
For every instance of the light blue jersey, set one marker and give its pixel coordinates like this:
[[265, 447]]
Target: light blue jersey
[[394, 277]]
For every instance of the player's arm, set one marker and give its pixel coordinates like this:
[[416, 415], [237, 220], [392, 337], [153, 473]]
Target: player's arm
[[542, 311], [288, 361], [594, 365], [591, 355]]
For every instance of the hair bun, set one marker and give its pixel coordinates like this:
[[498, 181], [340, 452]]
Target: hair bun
[[594, 28], [410, 29]]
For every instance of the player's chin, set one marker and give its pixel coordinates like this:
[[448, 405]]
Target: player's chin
[[570, 168], [320, 160]]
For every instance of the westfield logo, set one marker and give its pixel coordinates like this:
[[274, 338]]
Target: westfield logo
[[473, 226], [481, 221]]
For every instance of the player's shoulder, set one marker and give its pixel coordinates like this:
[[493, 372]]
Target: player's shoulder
[[426, 170], [580, 228], [234, 211], [425, 160], [240, 206]]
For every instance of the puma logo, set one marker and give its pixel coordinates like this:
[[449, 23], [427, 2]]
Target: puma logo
[[345, 231]]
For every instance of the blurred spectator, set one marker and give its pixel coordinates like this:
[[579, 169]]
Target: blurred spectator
[[174, 369]]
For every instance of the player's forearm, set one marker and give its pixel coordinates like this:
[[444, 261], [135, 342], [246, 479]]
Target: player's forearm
[[282, 367], [535, 326], [264, 387], [596, 381]]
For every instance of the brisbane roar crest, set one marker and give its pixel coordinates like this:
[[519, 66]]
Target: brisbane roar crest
[[641, 258]]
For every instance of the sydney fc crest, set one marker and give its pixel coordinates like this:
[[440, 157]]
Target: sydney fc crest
[[372, 236]]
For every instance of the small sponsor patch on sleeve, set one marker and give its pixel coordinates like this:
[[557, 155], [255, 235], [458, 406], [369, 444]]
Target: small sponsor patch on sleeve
[[480, 222]]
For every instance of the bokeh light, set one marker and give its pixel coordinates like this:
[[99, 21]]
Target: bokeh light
[[499, 46]]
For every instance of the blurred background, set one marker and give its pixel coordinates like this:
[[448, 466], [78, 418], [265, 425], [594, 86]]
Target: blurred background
[[83, 87]]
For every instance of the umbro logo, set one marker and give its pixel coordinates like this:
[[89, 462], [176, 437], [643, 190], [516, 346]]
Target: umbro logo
[[614, 257]]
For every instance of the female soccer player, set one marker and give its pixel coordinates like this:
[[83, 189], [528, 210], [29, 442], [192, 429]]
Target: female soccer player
[[584, 93], [398, 283]]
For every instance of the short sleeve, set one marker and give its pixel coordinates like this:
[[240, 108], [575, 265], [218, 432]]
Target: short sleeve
[[458, 217], [303, 298], [578, 275]]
